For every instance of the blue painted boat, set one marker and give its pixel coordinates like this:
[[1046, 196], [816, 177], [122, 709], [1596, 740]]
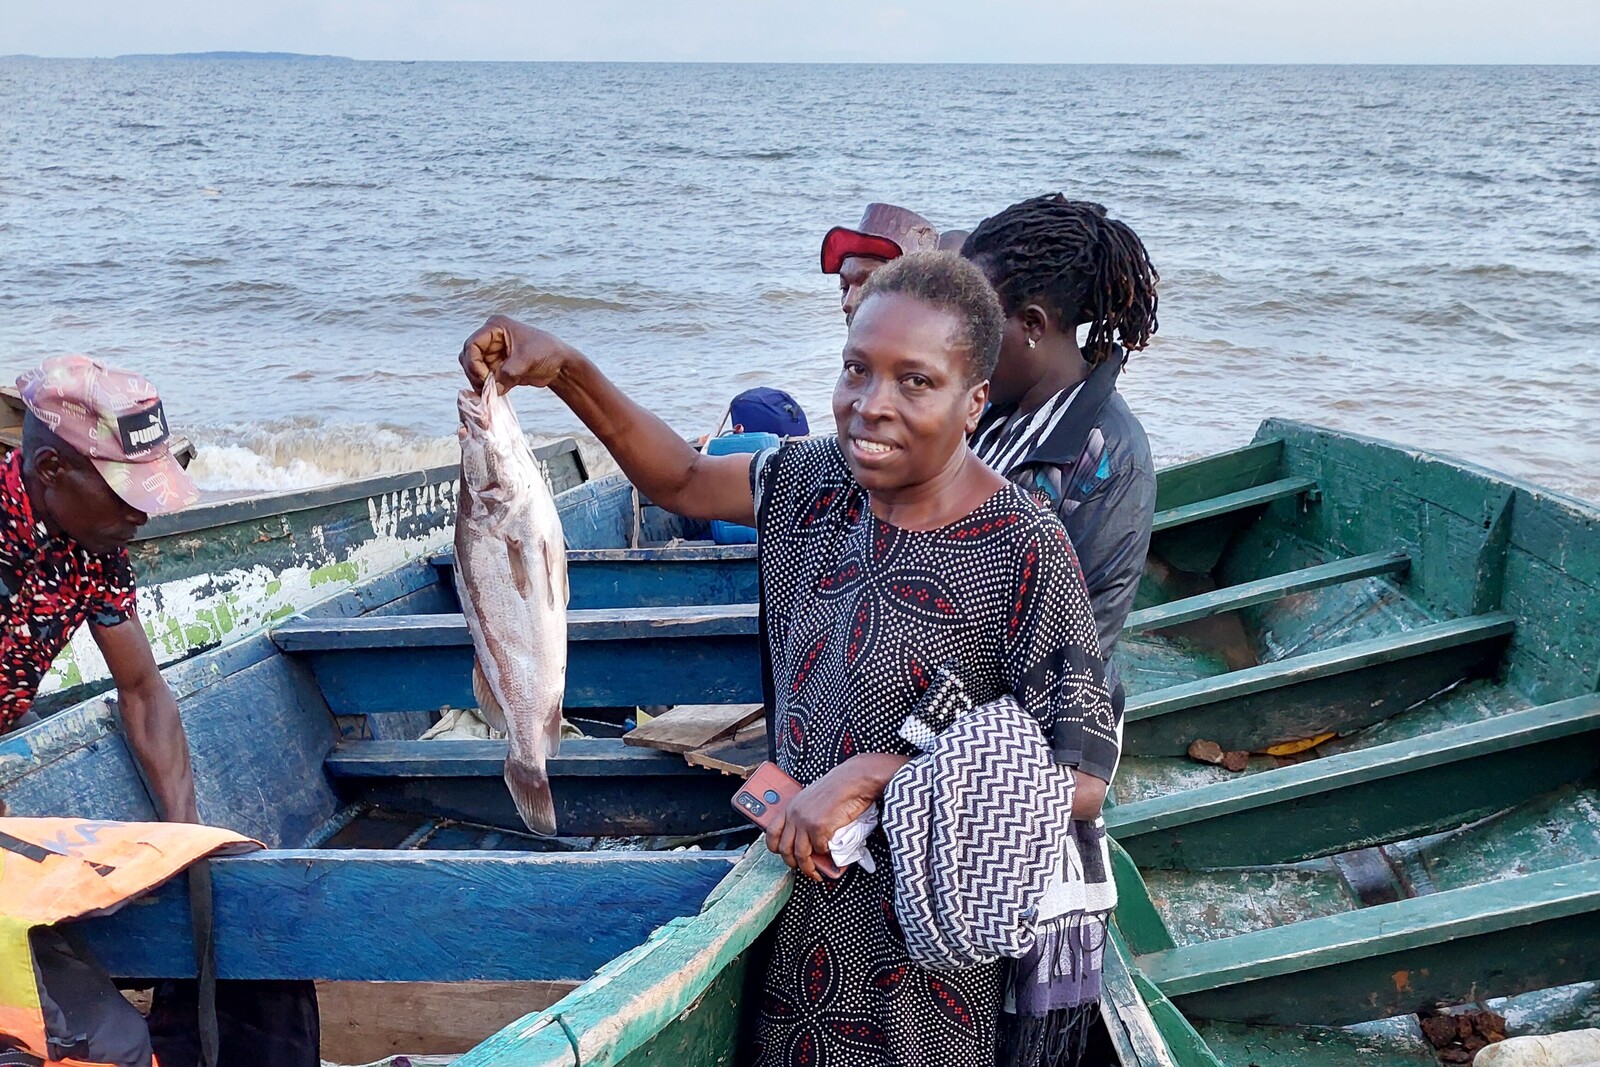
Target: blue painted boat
[[1392, 643]]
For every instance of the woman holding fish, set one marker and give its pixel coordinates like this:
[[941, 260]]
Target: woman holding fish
[[933, 651]]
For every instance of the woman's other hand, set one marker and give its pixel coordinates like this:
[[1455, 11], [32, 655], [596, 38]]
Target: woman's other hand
[[810, 820], [514, 353]]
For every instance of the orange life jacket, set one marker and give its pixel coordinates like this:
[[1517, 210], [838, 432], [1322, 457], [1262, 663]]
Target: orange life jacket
[[53, 870]]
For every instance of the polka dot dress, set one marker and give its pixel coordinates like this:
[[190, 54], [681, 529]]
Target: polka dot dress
[[862, 616]]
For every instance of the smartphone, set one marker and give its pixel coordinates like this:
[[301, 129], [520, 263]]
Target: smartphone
[[764, 795]]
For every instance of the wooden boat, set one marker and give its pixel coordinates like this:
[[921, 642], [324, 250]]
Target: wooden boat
[[1440, 849], [220, 571], [1436, 849]]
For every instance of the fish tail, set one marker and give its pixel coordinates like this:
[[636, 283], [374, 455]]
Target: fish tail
[[530, 790]]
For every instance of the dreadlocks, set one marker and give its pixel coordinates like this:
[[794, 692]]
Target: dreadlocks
[[1081, 266]]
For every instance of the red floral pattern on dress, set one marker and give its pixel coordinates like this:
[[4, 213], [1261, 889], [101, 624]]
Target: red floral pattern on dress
[[49, 586]]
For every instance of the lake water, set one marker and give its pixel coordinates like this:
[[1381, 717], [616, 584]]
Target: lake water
[[294, 251]]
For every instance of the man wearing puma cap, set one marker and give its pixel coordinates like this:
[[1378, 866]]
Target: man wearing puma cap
[[94, 465], [886, 232]]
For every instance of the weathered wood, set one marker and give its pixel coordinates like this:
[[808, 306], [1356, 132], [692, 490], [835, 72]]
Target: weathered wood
[[615, 658], [1146, 1029], [1136, 914], [740, 755], [600, 624], [653, 577], [600, 786], [366, 1021], [77, 763], [445, 917], [1497, 939], [1366, 797], [664, 995], [1337, 690], [1265, 590], [1379, 495], [1212, 476], [1228, 503], [691, 726]]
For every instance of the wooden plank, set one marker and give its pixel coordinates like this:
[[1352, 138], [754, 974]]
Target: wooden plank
[[1497, 939], [599, 624], [1228, 503], [587, 757], [1211, 476], [1126, 1016], [412, 917], [615, 658], [600, 786], [674, 999], [366, 1021], [649, 577], [740, 755], [1339, 689], [1265, 590], [691, 726], [1366, 797]]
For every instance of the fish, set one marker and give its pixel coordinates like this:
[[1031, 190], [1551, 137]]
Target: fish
[[511, 578]]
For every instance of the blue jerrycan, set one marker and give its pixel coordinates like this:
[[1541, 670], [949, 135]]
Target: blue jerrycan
[[730, 533]]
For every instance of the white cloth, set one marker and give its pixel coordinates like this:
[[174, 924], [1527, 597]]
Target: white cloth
[[849, 842]]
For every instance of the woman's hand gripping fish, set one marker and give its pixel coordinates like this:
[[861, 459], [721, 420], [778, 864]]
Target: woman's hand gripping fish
[[511, 577]]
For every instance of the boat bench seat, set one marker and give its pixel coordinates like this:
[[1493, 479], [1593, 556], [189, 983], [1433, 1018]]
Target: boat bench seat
[[1229, 503], [1266, 590], [1367, 797], [600, 785], [616, 657], [1530, 932], [385, 916], [686, 574], [1335, 690]]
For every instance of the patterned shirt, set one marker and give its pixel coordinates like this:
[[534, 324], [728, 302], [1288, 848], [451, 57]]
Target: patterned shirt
[[49, 585]]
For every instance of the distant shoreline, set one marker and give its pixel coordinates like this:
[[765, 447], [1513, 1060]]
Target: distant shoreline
[[295, 56], [280, 56]]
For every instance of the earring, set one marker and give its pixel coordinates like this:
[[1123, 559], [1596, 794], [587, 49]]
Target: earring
[[1032, 343]]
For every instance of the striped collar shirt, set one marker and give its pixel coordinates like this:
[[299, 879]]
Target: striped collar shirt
[[1011, 440]]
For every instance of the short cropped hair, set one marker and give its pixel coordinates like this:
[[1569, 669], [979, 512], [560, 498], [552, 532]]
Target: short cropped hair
[[36, 436], [946, 281]]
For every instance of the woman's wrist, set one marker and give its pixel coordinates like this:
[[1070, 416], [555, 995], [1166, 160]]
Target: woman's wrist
[[872, 771]]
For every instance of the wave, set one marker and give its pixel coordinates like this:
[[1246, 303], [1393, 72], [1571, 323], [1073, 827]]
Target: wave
[[516, 293], [301, 453]]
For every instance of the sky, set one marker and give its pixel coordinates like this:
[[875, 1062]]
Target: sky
[[930, 31]]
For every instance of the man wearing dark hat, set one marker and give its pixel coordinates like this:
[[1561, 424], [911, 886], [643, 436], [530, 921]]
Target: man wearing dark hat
[[764, 410], [93, 467], [886, 232]]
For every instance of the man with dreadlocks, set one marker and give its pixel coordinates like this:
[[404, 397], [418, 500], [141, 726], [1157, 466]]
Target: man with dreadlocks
[[1057, 427], [1056, 423]]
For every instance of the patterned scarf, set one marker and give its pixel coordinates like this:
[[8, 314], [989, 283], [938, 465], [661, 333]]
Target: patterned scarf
[[989, 864]]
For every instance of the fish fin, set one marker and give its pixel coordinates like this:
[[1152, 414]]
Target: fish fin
[[554, 730], [555, 566], [519, 566], [530, 790], [488, 706]]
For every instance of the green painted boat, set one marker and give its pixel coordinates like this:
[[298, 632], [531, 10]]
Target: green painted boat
[[1403, 652]]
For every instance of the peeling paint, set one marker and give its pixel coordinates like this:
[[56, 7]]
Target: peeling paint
[[185, 615]]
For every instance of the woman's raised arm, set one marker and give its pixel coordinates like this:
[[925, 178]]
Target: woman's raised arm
[[661, 463]]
